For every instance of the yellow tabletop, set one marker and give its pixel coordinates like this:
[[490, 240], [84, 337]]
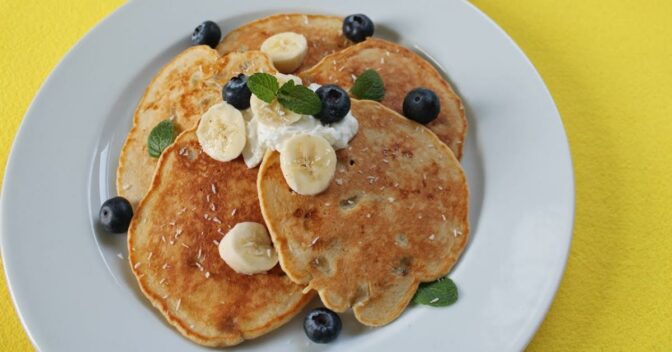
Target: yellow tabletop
[[608, 65]]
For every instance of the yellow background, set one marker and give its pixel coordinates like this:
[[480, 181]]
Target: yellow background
[[608, 65]]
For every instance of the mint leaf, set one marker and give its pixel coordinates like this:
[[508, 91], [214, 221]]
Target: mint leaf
[[299, 99], [162, 135], [264, 86], [368, 86], [440, 293]]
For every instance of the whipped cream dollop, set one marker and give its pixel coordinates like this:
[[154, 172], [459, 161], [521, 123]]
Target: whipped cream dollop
[[262, 137]]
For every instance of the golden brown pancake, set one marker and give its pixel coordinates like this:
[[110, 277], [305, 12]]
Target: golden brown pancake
[[402, 70], [395, 215], [183, 90], [193, 201], [323, 33]]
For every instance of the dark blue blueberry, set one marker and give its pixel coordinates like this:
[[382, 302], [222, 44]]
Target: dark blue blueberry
[[421, 105], [357, 27], [322, 325], [207, 33], [116, 214], [237, 93], [335, 103]]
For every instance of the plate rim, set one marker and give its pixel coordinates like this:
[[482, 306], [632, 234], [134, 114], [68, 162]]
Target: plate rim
[[20, 135]]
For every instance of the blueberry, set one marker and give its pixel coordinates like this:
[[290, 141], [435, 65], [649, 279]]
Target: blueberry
[[335, 103], [207, 33], [357, 27], [115, 215], [236, 92], [421, 105], [322, 325]]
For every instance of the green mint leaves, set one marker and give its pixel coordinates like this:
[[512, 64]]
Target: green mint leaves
[[368, 86], [264, 86], [296, 98], [440, 293], [162, 135], [299, 99]]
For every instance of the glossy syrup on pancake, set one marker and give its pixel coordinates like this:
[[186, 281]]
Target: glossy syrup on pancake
[[402, 70], [395, 215], [173, 250]]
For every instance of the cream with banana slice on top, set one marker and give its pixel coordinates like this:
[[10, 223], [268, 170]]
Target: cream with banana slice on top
[[268, 126], [263, 135]]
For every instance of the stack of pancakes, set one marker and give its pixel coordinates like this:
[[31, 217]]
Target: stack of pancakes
[[394, 216]]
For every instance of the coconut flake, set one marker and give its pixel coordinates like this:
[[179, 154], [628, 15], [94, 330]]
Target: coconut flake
[[312, 243]]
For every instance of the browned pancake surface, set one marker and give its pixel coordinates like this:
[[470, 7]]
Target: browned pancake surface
[[194, 200], [395, 215], [182, 91], [323, 33], [402, 70]]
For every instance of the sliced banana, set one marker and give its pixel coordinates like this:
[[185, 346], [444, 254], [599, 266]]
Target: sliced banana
[[274, 114], [283, 78], [308, 163], [287, 50], [247, 249], [254, 151], [221, 132]]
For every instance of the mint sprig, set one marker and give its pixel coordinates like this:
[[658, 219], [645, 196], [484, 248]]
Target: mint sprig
[[299, 99], [161, 136], [264, 86], [440, 293], [296, 98], [369, 85]]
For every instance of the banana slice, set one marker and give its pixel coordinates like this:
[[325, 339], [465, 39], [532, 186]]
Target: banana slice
[[274, 114], [221, 132], [287, 50], [247, 249], [308, 163], [283, 78], [254, 151]]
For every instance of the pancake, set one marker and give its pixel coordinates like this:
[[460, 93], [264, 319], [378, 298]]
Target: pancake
[[323, 33], [193, 201], [401, 70], [394, 216], [183, 90]]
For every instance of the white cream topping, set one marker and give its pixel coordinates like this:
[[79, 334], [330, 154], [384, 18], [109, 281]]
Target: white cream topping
[[261, 137]]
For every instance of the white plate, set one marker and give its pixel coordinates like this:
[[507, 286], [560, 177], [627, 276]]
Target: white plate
[[74, 294]]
